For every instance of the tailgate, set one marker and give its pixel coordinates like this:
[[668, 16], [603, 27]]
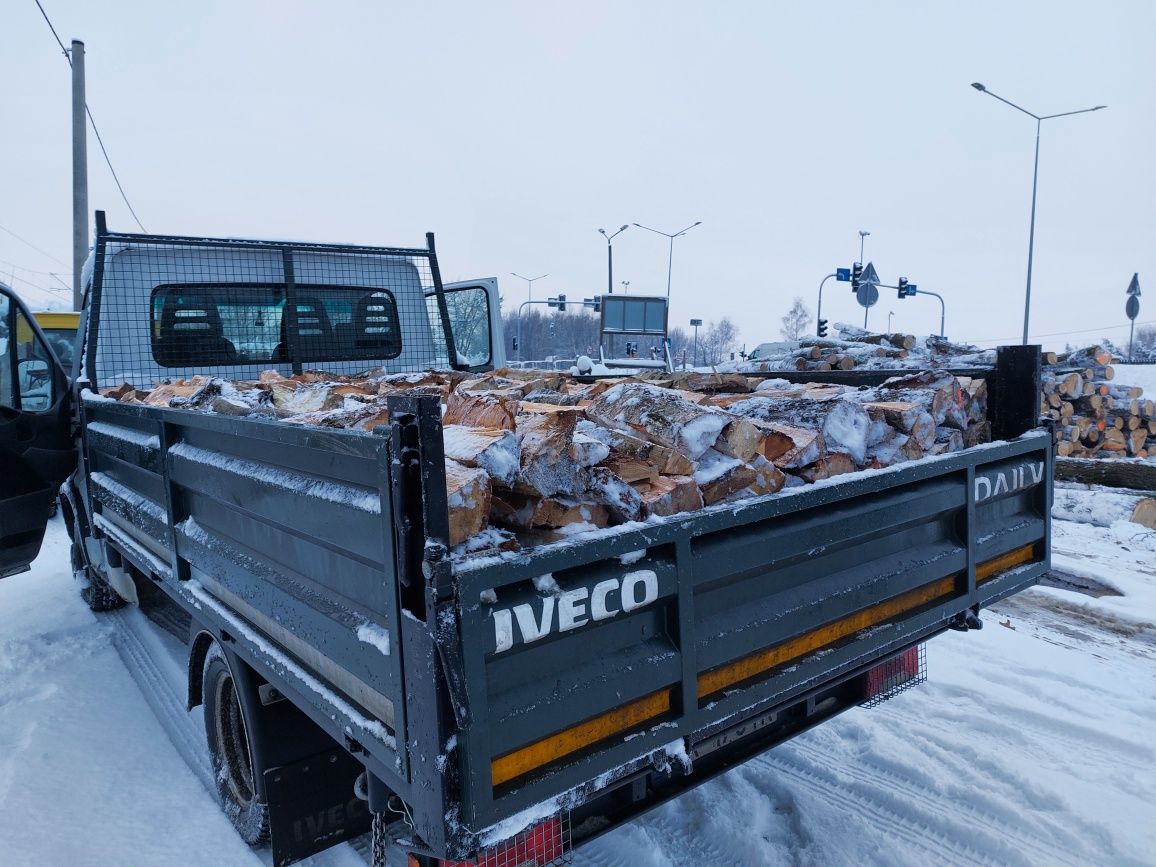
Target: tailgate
[[583, 658]]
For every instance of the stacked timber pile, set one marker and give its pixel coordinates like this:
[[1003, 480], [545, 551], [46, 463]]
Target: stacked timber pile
[[859, 349], [1095, 416], [533, 456]]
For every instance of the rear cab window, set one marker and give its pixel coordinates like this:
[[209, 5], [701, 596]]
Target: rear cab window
[[237, 323]]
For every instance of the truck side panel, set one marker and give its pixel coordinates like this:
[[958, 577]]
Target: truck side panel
[[751, 606], [289, 529]]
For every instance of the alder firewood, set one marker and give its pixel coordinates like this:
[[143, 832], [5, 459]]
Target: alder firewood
[[740, 439], [719, 476], [660, 416], [768, 478], [468, 496], [843, 423], [630, 469], [588, 451], [670, 495], [493, 449], [623, 501], [712, 383], [481, 410], [546, 465]]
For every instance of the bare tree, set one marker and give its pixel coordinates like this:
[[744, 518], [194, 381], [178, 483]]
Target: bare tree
[[796, 321], [717, 340]]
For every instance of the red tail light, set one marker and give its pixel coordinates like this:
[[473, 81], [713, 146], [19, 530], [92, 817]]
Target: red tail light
[[892, 677], [541, 846]]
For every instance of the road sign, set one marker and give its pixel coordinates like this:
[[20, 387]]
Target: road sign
[[867, 294], [843, 275], [1132, 307], [1134, 286]]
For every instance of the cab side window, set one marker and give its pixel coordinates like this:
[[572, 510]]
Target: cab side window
[[7, 354]]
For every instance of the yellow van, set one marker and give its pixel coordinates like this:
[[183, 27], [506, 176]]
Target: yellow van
[[60, 326]]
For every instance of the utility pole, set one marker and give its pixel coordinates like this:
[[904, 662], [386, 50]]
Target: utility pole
[[79, 174]]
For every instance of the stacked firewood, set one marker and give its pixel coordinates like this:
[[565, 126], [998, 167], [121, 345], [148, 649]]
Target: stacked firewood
[[1094, 415], [858, 348], [534, 456]]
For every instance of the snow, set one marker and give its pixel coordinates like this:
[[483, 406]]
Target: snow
[[366, 501], [1143, 375], [1029, 745], [377, 636], [547, 584], [124, 433], [631, 557]]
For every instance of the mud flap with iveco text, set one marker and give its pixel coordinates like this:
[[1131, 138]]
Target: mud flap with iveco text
[[312, 805]]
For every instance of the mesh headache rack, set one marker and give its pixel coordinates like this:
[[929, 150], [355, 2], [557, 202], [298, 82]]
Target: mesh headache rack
[[167, 307]]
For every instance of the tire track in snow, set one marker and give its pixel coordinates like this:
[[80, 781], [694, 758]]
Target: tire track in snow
[[884, 780]]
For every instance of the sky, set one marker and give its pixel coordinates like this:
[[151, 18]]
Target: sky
[[514, 130]]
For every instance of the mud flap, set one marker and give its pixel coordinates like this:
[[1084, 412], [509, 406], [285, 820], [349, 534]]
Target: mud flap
[[312, 805]]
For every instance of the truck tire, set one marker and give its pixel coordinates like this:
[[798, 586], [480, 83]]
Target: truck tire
[[229, 749], [95, 590]]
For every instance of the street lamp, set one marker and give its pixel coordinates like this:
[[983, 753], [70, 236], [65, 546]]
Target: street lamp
[[890, 313], [625, 287], [610, 256], [695, 323], [670, 259], [529, 283], [1039, 119], [862, 235]]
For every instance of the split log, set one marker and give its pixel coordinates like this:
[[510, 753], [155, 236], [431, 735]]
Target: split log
[[768, 478], [624, 445], [481, 410], [527, 512], [660, 416], [843, 423], [1145, 513], [468, 495], [623, 501], [740, 439], [719, 476], [670, 495], [546, 463], [493, 449]]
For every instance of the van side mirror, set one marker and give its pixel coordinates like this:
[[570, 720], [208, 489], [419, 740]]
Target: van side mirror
[[34, 376]]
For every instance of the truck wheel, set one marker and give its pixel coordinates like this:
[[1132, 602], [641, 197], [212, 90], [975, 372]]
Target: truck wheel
[[229, 748], [95, 590]]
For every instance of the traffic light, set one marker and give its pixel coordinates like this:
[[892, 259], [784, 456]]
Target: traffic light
[[558, 303], [594, 303], [856, 273], [902, 287], [822, 329]]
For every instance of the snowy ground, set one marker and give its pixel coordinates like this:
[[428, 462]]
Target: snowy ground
[[1031, 744], [1143, 375]]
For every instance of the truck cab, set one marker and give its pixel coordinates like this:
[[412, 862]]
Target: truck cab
[[36, 446]]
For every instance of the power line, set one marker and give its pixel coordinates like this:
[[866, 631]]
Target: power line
[[1057, 333], [8, 264], [92, 120], [32, 246]]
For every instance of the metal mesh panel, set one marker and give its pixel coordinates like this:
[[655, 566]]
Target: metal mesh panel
[[896, 675], [169, 308], [545, 845]]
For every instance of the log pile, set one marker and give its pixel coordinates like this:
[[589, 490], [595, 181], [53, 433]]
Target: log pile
[[1095, 416], [858, 348], [535, 456]]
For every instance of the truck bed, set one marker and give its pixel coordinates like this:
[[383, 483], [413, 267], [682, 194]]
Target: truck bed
[[491, 692]]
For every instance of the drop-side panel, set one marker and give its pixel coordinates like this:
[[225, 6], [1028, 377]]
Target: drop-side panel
[[287, 529], [587, 656]]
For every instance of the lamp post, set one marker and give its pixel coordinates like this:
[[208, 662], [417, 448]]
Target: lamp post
[[1039, 119], [610, 256], [695, 323], [862, 235], [670, 258], [890, 313], [529, 283], [625, 287]]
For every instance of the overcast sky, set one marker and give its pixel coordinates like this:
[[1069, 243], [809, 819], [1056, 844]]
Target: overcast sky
[[515, 130]]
